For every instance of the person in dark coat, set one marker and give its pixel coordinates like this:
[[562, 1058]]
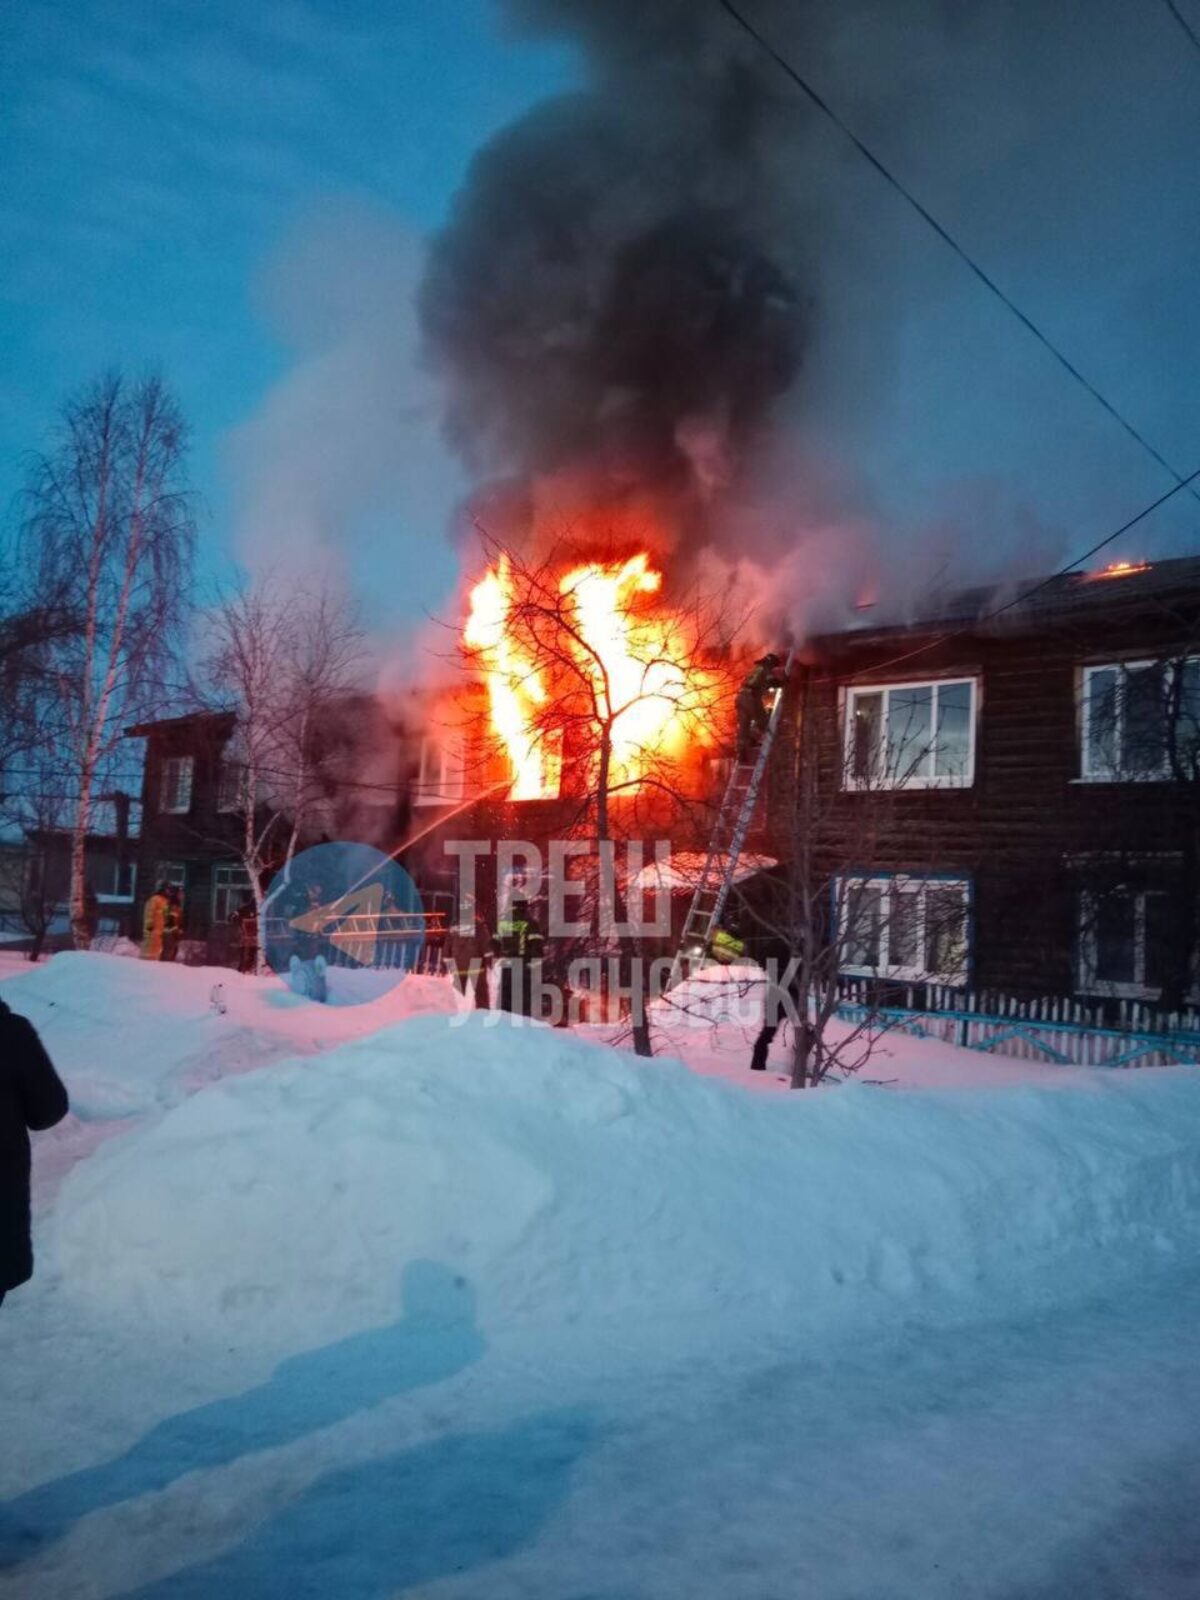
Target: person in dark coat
[[31, 1096], [467, 950], [784, 994]]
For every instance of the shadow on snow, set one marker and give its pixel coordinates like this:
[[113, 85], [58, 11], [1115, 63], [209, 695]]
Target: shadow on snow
[[364, 1530]]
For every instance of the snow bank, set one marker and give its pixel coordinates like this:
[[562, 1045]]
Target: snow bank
[[130, 1036], [584, 1192]]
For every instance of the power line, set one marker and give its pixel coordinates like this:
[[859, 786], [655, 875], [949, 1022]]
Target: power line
[[1043, 583], [948, 238], [1183, 22]]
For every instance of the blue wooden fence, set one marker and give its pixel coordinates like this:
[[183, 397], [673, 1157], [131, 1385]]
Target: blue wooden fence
[[1061, 1032]]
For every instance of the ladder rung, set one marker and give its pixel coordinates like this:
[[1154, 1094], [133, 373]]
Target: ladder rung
[[734, 817]]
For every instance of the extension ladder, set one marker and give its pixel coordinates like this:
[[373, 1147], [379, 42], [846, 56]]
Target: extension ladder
[[725, 846]]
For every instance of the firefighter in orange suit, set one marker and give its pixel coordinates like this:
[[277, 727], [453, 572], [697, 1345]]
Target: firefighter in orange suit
[[154, 923]]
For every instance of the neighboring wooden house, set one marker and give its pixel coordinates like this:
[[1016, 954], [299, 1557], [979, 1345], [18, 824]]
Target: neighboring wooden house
[[35, 881], [192, 822], [190, 830]]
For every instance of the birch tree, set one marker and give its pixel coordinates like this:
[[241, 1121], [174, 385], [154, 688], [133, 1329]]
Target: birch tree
[[280, 657], [109, 525]]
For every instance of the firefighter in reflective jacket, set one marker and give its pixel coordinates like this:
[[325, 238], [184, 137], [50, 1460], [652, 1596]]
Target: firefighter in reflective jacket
[[520, 945], [751, 703]]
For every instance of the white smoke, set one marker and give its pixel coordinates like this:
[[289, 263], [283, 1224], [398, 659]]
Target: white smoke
[[342, 467]]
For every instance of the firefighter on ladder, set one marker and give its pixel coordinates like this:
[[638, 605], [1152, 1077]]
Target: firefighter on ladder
[[753, 711], [727, 945]]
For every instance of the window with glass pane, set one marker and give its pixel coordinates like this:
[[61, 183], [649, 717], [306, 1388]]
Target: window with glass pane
[[175, 790], [952, 751], [1141, 720], [904, 928], [866, 735], [1114, 937], [1161, 939], [863, 905], [1101, 711], [1144, 720], [441, 776], [124, 879], [910, 733], [1186, 731], [945, 930], [230, 883]]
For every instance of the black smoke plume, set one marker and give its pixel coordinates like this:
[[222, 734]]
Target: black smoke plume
[[619, 290]]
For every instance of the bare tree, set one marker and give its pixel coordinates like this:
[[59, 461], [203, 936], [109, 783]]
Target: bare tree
[[109, 523], [837, 906], [34, 618], [280, 657]]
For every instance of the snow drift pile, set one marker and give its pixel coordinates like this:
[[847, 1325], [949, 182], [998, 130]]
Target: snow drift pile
[[132, 1036], [585, 1195]]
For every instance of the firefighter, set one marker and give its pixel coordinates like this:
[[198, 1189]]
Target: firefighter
[[467, 950], [520, 945], [751, 703], [245, 922], [727, 945], [154, 921], [783, 997], [172, 923]]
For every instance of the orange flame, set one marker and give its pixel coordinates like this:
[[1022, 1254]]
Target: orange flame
[[1121, 569], [632, 655], [515, 688]]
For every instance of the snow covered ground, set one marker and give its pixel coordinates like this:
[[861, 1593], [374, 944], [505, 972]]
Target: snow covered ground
[[386, 1299]]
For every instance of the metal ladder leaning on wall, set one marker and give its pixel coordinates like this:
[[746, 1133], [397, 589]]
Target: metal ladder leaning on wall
[[725, 846]]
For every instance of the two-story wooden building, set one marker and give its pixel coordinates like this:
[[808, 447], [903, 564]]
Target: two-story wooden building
[[1027, 769], [194, 819], [1010, 791]]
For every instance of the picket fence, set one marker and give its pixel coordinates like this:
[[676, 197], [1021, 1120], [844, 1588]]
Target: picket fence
[[1059, 1031]]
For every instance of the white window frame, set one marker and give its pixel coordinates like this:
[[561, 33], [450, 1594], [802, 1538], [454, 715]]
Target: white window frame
[[175, 780], [441, 771], [901, 882], [222, 883], [912, 780], [171, 873], [1114, 775]]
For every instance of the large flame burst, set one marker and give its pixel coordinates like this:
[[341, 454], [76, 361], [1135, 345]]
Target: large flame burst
[[602, 638]]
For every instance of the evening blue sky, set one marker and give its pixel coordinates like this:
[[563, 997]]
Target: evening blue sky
[[239, 194], [159, 151]]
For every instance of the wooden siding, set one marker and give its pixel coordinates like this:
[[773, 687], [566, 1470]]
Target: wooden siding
[[1021, 829]]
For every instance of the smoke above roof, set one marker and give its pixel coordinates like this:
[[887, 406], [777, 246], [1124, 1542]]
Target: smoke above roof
[[619, 289]]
